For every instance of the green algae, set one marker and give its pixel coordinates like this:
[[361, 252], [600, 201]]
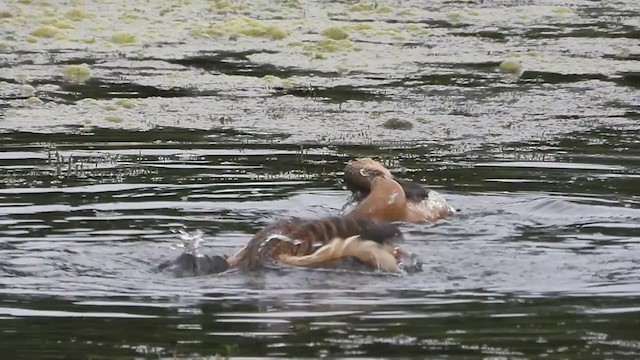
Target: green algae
[[336, 33], [363, 6], [241, 25], [331, 45], [88, 40], [27, 90], [22, 77], [397, 124], [113, 119], [34, 101], [123, 38], [225, 5], [46, 31], [270, 78], [76, 14], [511, 66], [126, 103], [61, 24], [78, 74], [562, 10]]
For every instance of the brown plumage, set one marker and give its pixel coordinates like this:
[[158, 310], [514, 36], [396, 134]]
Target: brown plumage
[[380, 196], [314, 243]]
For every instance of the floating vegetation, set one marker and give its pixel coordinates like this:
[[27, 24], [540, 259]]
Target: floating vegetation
[[228, 5], [76, 14], [370, 7], [241, 25], [123, 38], [48, 21], [289, 83], [126, 103], [363, 7], [46, 31], [413, 27], [397, 124], [27, 90], [407, 12], [362, 27], [331, 45], [336, 33], [22, 77], [270, 78], [129, 16], [78, 74], [454, 16], [390, 31], [113, 119], [563, 10], [34, 101], [88, 101], [61, 24], [511, 66]]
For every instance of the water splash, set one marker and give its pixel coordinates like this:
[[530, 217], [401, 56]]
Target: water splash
[[349, 205], [436, 201], [189, 242], [411, 264]]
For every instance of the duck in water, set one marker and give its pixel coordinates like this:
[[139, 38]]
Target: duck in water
[[310, 243], [378, 195]]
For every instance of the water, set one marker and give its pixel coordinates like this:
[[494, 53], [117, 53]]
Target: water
[[541, 259]]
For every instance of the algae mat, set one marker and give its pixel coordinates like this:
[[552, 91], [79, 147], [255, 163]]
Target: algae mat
[[461, 73]]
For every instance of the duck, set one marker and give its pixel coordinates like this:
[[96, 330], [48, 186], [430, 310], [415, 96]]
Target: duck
[[310, 243], [377, 194]]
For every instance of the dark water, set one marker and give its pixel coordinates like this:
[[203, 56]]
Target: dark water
[[541, 261]]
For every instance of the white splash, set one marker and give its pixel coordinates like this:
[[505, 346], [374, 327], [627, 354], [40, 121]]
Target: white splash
[[411, 265], [190, 242], [349, 205], [436, 201]]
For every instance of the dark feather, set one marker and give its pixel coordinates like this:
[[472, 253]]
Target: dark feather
[[190, 265], [380, 232]]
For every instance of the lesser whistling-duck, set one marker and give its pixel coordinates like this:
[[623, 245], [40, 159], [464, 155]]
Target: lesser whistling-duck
[[378, 195], [310, 243]]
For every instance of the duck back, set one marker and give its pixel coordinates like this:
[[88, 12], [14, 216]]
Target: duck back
[[300, 237]]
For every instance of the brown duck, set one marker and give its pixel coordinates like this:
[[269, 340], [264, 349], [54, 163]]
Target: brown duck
[[310, 243], [378, 195]]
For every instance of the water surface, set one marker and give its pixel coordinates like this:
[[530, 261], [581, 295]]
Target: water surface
[[227, 133]]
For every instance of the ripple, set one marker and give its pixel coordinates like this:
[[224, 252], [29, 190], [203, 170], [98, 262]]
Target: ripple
[[226, 133], [15, 312]]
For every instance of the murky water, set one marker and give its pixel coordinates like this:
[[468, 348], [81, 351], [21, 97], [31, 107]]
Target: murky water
[[225, 116]]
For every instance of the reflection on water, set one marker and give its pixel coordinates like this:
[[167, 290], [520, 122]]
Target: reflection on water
[[220, 129]]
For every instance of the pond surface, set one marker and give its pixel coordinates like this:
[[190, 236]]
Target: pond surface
[[222, 117]]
